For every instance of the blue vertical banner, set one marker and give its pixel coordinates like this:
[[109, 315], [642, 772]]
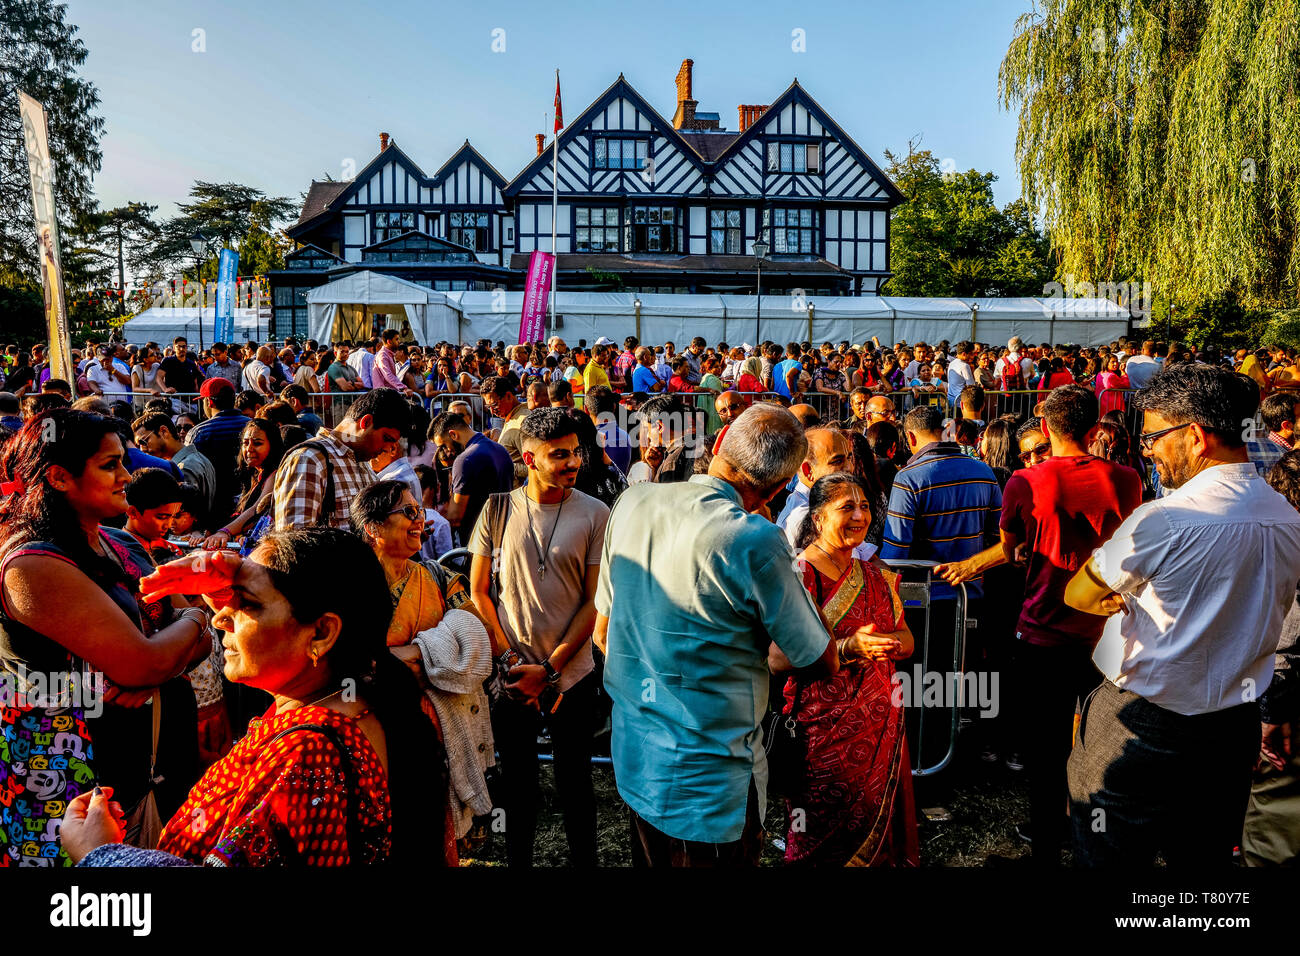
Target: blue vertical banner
[[227, 269]]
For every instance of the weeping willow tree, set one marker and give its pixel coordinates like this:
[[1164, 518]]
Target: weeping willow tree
[[1160, 139]]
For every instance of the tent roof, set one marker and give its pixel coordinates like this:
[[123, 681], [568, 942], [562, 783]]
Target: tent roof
[[370, 288]]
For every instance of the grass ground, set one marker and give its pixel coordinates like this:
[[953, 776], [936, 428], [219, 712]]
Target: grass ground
[[984, 803]]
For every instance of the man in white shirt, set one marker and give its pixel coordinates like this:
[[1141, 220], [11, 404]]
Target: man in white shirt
[[960, 374], [107, 378], [1196, 586], [257, 373], [363, 361], [1142, 368]]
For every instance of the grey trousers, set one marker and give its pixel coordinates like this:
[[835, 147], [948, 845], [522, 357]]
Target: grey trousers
[[1145, 781]]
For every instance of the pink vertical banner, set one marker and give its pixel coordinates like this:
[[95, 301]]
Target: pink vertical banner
[[537, 289]]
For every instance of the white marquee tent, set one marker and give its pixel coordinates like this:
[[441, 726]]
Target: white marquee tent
[[469, 316], [341, 310], [162, 325]]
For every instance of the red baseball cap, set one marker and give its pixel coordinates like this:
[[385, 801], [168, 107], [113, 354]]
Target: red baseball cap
[[213, 385]]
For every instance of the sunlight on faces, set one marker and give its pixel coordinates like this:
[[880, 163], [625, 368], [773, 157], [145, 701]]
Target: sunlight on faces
[[556, 462], [729, 406], [1171, 453], [146, 440], [153, 523], [370, 441], [1034, 448], [400, 534], [829, 452], [99, 492], [880, 408], [265, 646], [842, 523], [254, 446]]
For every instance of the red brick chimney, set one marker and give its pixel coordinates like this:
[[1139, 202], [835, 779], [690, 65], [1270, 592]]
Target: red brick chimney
[[748, 115], [383, 142], [541, 143], [684, 118]]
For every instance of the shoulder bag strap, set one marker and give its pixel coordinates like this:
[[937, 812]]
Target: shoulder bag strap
[[353, 821]]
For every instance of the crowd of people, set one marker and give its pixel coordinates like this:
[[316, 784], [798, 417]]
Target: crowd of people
[[286, 606]]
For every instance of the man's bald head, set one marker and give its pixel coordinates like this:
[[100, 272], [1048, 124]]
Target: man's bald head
[[761, 450], [828, 452], [880, 408], [807, 415]]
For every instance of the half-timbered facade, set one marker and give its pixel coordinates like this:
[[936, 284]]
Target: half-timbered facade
[[644, 204]]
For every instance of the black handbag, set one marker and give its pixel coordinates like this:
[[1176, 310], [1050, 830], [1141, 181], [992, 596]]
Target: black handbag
[[787, 750], [784, 741]]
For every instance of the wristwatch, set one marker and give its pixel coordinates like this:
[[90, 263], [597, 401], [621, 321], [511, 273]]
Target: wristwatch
[[552, 675]]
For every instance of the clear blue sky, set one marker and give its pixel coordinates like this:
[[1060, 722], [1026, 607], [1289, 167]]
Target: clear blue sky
[[289, 90]]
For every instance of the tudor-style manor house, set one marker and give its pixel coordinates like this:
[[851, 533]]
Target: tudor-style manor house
[[645, 204]]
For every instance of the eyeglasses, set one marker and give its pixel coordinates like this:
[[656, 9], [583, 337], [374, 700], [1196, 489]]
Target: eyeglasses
[[1148, 439], [410, 511], [1038, 451]]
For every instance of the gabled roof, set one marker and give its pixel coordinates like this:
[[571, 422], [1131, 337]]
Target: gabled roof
[[392, 154], [473, 155], [795, 93], [620, 87], [437, 241], [312, 250], [319, 197]]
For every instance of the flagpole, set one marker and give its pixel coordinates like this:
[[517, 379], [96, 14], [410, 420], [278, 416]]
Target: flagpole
[[555, 204]]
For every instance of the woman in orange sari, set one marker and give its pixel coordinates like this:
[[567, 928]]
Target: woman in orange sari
[[855, 804]]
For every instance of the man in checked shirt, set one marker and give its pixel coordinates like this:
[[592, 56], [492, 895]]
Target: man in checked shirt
[[375, 421]]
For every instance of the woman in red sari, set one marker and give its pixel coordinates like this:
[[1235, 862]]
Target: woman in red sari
[[343, 768], [855, 807]]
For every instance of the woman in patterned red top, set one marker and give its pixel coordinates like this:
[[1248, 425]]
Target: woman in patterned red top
[[856, 791], [343, 768]]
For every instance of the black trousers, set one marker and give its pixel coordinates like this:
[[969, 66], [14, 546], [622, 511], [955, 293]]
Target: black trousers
[[1049, 684], [651, 847], [1146, 780], [515, 728]]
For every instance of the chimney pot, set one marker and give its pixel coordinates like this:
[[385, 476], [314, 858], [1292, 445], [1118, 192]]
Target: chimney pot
[[383, 142], [541, 143], [684, 80]]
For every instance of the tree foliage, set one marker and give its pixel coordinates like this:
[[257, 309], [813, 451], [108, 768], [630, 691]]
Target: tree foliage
[[227, 214], [1161, 140], [41, 54], [950, 238]]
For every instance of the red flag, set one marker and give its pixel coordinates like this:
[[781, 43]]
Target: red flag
[[559, 113]]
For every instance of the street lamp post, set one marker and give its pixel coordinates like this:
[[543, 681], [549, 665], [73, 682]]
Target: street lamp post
[[760, 253], [637, 304], [199, 243]]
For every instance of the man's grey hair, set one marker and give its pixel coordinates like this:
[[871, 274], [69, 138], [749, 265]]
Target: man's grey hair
[[766, 444], [1014, 343]]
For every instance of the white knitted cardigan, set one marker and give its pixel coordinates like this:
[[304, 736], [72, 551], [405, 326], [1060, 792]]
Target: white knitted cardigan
[[457, 656]]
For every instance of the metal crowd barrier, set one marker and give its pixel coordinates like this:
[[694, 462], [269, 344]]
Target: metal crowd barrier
[[916, 593]]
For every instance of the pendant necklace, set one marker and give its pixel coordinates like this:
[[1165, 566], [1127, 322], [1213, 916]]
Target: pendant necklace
[[537, 540]]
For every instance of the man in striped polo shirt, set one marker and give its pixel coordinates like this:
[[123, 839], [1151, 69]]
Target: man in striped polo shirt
[[944, 507]]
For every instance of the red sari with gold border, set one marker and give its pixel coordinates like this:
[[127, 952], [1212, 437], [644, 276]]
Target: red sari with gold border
[[855, 807]]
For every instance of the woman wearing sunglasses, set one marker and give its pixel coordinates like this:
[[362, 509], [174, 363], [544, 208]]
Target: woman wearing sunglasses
[[448, 649]]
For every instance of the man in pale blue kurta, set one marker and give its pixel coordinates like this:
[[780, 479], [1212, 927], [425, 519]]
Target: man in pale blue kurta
[[695, 589]]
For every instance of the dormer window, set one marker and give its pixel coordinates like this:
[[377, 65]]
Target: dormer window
[[793, 157], [609, 152]]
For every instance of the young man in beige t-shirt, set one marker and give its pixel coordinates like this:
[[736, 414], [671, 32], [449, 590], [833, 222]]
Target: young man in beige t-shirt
[[546, 568]]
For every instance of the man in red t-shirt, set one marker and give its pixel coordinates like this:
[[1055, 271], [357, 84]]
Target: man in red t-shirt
[[1062, 509]]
